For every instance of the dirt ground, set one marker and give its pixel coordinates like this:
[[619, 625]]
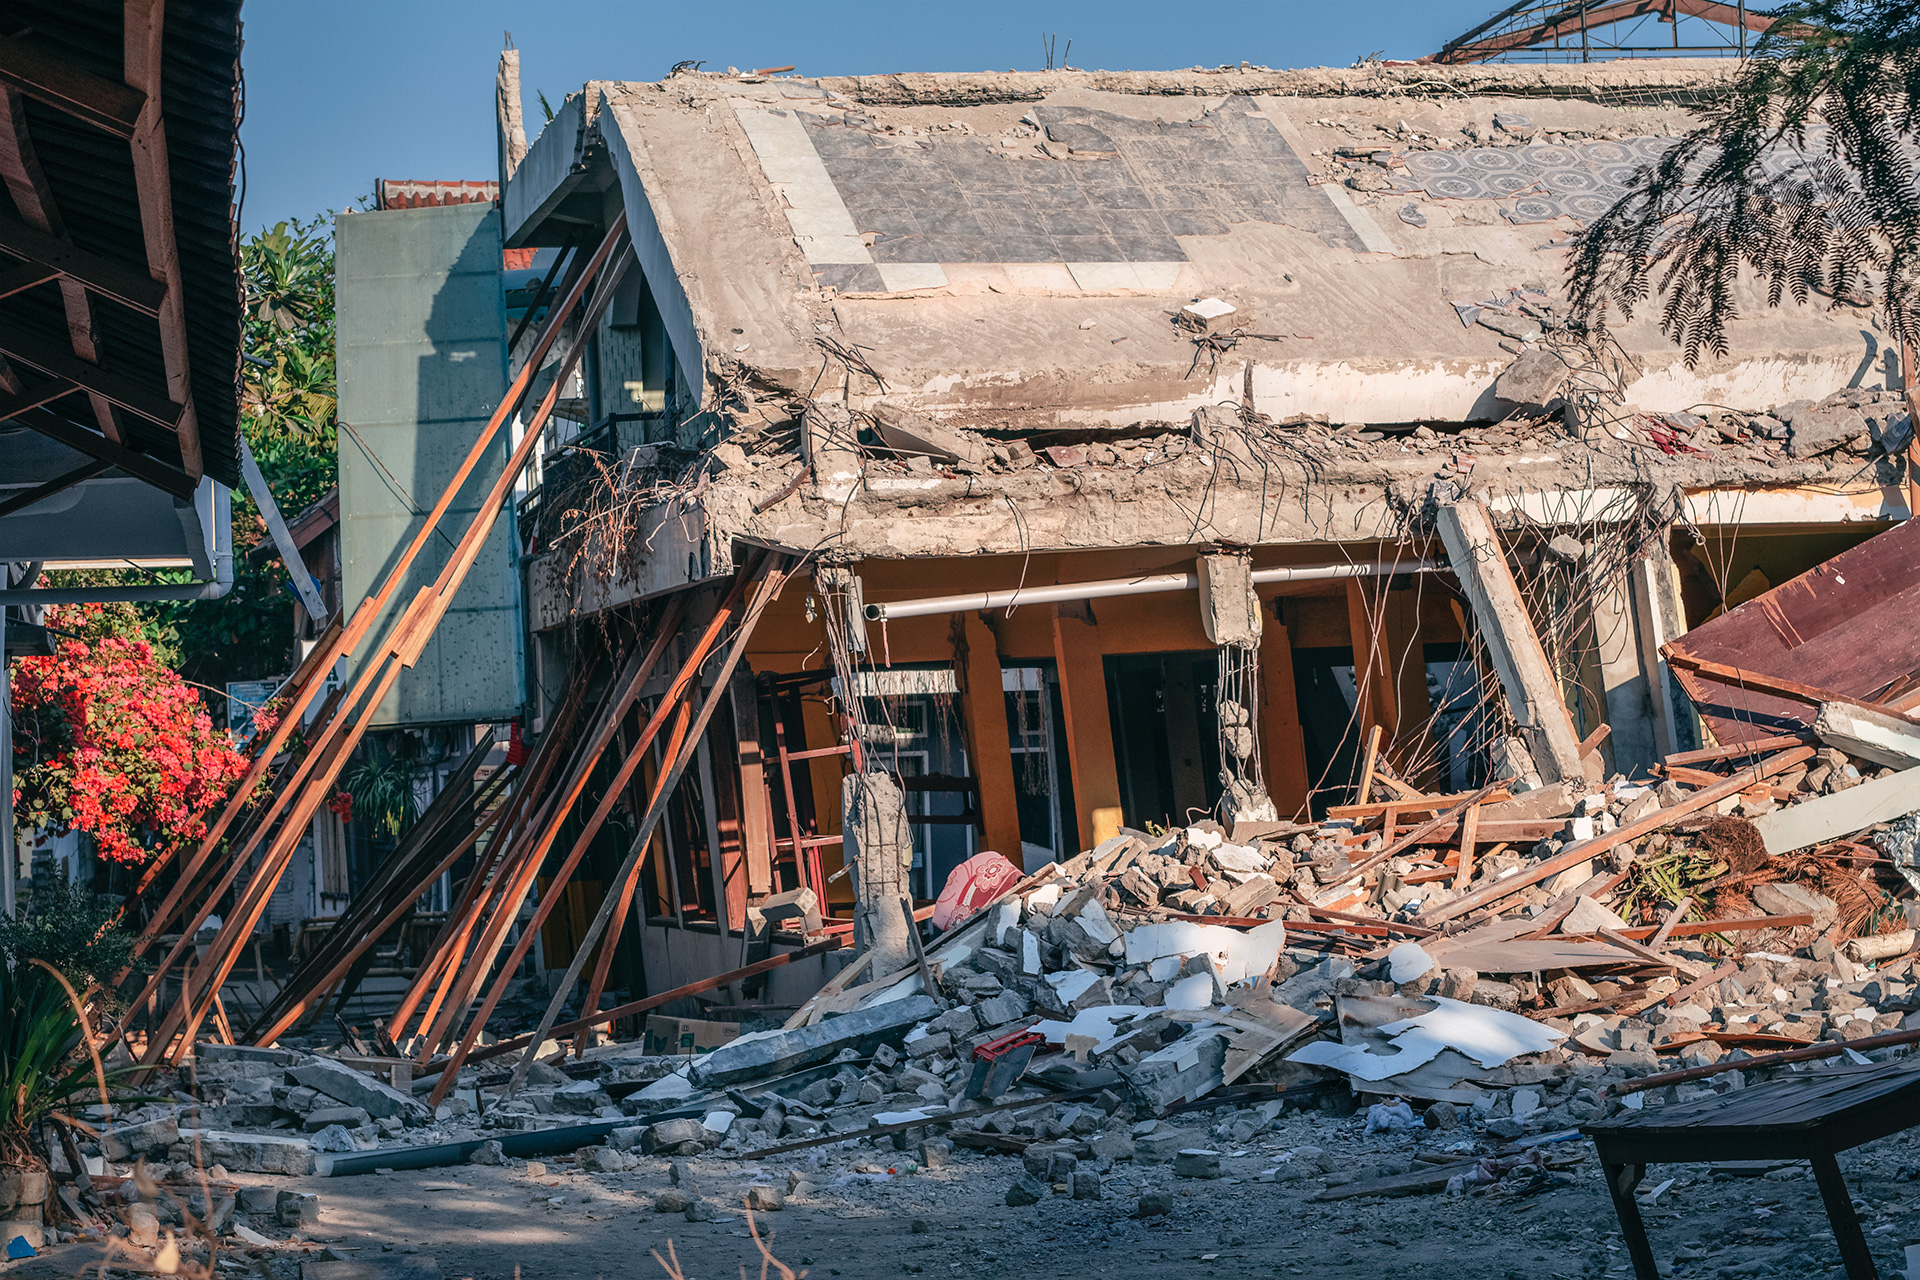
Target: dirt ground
[[859, 1222]]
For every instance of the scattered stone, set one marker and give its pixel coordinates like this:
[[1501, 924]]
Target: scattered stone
[[1196, 1163], [763, 1198], [1027, 1190], [297, 1208], [672, 1200], [488, 1152]]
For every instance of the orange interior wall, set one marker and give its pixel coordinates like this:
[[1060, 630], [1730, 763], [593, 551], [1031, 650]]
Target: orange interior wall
[[1160, 623]]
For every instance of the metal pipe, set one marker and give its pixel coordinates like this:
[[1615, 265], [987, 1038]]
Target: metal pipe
[[221, 584], [1145, 585], [521, 1146]]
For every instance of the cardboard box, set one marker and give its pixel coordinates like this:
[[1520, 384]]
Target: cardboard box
[[687, 1035]]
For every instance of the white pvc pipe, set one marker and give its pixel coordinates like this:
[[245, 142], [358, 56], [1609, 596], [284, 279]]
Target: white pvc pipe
[[1145, 585]]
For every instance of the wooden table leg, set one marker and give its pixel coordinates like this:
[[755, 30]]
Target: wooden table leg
[[1621, 1180], [1846, 1226]]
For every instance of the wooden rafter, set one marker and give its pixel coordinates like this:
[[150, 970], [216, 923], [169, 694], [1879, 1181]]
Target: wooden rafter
[[20, 170], [134, 396], [59, 484], [154, 184], [81, 440], [55, 257], [49, 78]]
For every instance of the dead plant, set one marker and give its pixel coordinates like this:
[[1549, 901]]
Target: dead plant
[[768, 1263]]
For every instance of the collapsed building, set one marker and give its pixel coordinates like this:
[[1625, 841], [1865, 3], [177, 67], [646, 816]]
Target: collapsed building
[[1150, 440]]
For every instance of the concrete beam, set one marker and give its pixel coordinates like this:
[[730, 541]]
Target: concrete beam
[[1533, 694], [1841, 814], [1884, 739]]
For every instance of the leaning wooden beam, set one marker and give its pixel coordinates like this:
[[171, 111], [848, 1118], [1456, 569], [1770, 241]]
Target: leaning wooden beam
[[45, 76], [416, 622], [607, 1017], [1533, 693], [669, 778], [673, 698], [129, 393], [521, 884], [1575, 854]]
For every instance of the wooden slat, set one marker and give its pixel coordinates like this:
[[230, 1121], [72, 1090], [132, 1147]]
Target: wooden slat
[[46, 77], [1793, 690]]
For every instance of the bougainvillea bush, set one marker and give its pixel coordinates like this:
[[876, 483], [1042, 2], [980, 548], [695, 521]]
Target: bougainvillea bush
[[109, 740]]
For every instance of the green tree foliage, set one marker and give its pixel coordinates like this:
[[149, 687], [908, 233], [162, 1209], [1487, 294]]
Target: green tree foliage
[[1805, 173], [288, 390]]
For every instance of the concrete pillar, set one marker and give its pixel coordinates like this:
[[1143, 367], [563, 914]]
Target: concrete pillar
[[990, 751], [1656, 607], [1632, 745], [1083, 700], [879, 843], [1533, 695]]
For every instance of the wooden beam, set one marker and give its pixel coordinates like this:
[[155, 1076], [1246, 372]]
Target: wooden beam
[[28, 275], [153, 183], [1533, 693], [80, 440], [33, 197], [55, 257], [1372, 674], [46, 77], [756, 802], [59, 484], [1779, 687], [30, 348]]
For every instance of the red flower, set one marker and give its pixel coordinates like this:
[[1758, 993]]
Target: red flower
[[108, 741]]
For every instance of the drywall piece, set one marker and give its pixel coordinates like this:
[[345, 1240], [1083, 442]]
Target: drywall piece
[[1236, 955], [1195, 992], [1840, 814], [1408, 961], [1873, 735], [1093, 918], [1072, 983], [1491, 1037], [1096, 1022], [1533, 694]]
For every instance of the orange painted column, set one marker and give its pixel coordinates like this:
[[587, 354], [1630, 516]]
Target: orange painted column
[[1285, 747], [1371, 674], [1406, 659], [989, 749], [1083, 699]]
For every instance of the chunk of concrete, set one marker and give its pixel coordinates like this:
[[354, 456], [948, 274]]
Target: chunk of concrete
[[252, 1152], [912, 433], [675, 1136], [205, 1053], [357, 1089], [1028, 1190], [130, 1141], [757, 1054], [1872, 735], [1534, 379], [1795, 899], [1589, 916], [1187, 1069], [320, 1117]]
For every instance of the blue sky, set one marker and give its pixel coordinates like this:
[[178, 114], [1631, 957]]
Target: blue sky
[[340, 92]]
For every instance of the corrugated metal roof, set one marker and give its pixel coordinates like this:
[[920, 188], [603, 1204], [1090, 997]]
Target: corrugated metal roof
[[89, 179]]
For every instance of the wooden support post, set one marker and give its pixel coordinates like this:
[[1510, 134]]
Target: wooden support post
[[1286, 744], [1364, 793], [1469, 832], [756, 803], [1533, 694], [989, 750], [1083, 702]]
